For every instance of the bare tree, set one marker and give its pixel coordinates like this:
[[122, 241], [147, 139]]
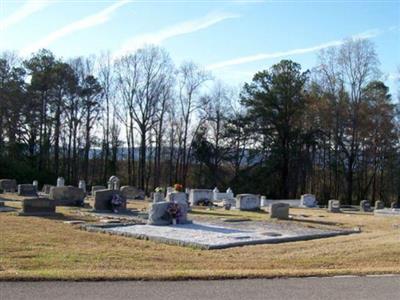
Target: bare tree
[[190, 80]]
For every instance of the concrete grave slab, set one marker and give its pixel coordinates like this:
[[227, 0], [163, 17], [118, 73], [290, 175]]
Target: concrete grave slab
[[212, 235], [387, 212]]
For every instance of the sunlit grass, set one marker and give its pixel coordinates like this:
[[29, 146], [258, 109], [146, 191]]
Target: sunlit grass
[[46, 248]]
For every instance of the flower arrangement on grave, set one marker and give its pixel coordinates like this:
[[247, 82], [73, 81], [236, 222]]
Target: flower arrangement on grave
[[159, 190], [174, 210], [117, 202], [178, 187]]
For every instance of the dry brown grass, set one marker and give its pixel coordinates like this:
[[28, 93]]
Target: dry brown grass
[[44, 248]]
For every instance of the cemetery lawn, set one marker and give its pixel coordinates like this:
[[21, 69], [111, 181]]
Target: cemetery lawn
[[39, 248]]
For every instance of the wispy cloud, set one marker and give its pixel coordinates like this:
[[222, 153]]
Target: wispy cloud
[[173, 31], [264, 56], [90, 21], [30, 7]]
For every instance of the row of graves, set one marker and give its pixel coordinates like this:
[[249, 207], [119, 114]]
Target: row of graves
[[168, 217], [168, 220]]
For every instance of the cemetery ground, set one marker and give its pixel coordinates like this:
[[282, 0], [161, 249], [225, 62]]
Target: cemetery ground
[[46, 248]]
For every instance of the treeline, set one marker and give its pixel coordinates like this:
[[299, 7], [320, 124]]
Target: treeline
[[331, 131]]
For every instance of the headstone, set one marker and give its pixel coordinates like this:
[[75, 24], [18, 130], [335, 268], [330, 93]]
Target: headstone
[[263, 201], [67, 196], [229, 192], [379, 205], [38, 206], [60, 182], [200, 195], [184, 208], [8, 185], [103, 198], [159, 213], [187, 191], [308, 200], [334, 206], [97, 188], [46, 188], [177, 197], [365, 206], [82, 185], [113, 183], [158, 197], [248, 202], [27, 190], [131, 192], [395, 205], [279, 210], [36, 184]]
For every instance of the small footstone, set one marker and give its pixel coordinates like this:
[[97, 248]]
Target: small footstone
[[334, 206]]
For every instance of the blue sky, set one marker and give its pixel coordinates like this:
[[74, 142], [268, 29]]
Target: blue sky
[[234, 39]]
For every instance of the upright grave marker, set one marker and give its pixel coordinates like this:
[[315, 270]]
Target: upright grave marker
[[248, 202], [27, 190]]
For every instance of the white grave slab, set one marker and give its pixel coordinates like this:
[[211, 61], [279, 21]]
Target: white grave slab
[[216, 236]]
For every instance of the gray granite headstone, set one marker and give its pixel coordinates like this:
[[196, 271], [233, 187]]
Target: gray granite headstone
[[395, 205], [248, 202], [279, 210], [27, 190], [67, 195], [102, 199], [38, 206], [308, 200], [46, 188], [131, 192], [365, 206], [379, 205], [158, 214], [8, 185], [177, 197]]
